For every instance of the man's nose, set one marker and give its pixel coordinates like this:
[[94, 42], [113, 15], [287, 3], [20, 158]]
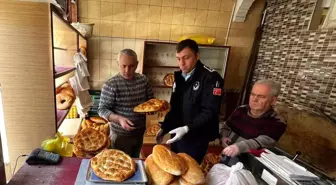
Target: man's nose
[[126, 69]]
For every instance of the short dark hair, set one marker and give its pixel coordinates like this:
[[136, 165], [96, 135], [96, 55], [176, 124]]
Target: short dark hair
[[188, 43]]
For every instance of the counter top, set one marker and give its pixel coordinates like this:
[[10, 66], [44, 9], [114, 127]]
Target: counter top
[[64, 173]]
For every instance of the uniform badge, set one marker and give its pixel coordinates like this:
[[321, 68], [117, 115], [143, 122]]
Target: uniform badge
[[217, 91], [196, 86]]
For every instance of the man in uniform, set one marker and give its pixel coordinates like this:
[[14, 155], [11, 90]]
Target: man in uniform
[[195, 103]]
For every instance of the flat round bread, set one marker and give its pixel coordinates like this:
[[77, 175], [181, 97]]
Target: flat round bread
[[90, 140], [114, 165], [152, 105], [168, 80], [97, 119], [167, 160], [194, 174], [155, 174], [153, 130]]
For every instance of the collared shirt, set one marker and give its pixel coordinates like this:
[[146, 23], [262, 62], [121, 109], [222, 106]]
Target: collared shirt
[[188, 75]]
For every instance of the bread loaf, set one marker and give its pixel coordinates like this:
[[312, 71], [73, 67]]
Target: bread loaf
[[184, 182], [167, 160], [194, 174], [156, 175], [176, 181]]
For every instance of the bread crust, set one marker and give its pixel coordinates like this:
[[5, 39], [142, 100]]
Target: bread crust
[[156, 175], [167, 160], [114, 165], [194, 174]]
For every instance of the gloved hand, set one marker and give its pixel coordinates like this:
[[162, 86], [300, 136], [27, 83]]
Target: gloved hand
[[179, 133], [159, 137]]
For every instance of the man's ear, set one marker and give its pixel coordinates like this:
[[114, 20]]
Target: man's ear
[[197, 56]]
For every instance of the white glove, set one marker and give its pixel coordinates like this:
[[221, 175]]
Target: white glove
[[179, 133]]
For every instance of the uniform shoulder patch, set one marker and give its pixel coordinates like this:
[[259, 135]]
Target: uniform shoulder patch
[[208, 68]]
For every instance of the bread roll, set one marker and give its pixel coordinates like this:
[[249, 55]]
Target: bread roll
[[176, 181], [184, 166], [167, 160], [155, 174], [194, 174], [184, 182]]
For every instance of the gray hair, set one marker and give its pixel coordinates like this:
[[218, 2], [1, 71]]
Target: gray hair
[[275, 86], [128, 52]]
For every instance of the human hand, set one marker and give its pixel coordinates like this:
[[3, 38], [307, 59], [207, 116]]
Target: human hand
[[126, 123], [225, 141], [159, 137], [231, 150], [179, 133]]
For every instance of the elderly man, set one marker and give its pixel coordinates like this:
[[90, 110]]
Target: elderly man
[[256, 125], [119, 96]]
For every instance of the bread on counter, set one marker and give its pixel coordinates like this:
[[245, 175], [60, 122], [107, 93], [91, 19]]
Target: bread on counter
[[155, 174], [194, 174], [167, 160]]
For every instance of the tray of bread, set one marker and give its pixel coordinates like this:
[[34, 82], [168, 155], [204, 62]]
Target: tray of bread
[[116, 167], [152, 106]]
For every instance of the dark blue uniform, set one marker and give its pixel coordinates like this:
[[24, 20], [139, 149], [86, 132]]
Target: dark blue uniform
[[195, 103]]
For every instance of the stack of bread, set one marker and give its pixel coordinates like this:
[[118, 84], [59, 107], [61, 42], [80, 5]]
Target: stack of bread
[[166, 167], [209, 161], [89, 142], [65, 96], [97, 123]]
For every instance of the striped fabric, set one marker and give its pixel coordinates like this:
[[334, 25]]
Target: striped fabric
[[119, 96]]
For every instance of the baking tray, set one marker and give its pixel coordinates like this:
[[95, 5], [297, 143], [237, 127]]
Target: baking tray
[[139, 177]]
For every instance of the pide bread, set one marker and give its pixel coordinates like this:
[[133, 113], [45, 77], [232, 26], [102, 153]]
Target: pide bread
[[167, 160], [194, 174], [176, 181], [152, 105], [184, 182], [157, 176], [153, 130], [90, 140], [114, 165]]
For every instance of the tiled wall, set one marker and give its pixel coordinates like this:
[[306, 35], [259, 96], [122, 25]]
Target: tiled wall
[[124, 23], [303, 61]]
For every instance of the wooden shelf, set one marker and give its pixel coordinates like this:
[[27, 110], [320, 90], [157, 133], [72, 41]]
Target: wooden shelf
[[153, 66], [161, 86], [63, 70], [61, 114]]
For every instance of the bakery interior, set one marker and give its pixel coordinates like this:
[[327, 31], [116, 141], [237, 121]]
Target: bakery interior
[[41, 42]]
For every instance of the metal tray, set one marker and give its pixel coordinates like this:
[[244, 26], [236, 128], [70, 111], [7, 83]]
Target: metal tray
[[139, 177]]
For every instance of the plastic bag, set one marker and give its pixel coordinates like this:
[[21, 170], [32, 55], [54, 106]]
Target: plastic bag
[[199, 39], [221, 174], [59, 145]]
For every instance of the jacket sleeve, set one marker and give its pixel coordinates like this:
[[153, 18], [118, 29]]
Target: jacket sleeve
[[261, 141], [107, 99], [210, 103]]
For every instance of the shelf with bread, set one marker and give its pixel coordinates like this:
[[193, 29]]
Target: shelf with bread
[[67, 41], [160, 63]]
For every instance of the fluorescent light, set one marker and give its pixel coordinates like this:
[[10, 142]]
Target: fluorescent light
[[3, 133]]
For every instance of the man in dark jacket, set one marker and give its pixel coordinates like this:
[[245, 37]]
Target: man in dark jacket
[[195, 104]]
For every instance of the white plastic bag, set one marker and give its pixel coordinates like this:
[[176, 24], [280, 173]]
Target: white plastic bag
[[220, 174]]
